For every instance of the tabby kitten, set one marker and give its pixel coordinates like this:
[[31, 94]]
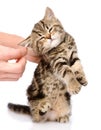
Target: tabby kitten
[[58, 75]]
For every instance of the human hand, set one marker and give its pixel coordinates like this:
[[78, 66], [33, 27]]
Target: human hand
[[12, 40], [31, 56], [12, 71]]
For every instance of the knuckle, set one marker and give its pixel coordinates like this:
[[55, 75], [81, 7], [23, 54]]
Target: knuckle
[[20, 67]]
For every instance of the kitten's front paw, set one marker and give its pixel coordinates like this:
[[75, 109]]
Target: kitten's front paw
[[81, 78], [73, 87], [44, 108], [75, 90]]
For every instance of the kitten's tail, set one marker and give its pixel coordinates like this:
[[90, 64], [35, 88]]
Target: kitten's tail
[[19, 108]]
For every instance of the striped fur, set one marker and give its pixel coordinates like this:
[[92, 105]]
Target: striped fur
[[19, 108], [58, 75]]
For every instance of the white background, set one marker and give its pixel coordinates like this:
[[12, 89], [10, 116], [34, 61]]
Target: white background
[[82, 19]]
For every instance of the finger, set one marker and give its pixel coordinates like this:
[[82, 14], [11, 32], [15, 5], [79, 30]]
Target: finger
[[7, 53], [22, 63], [30, 52], [13, 67], [31, 56], [10, 39], [10, 75], [33, 59], [8, 79]]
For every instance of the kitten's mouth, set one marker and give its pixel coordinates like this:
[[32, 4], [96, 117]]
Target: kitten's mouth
[[53, 39]]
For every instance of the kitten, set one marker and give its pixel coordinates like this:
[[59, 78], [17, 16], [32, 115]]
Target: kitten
[[58, 75]]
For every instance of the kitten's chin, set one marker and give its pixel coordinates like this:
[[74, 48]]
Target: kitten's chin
[[54, 43], [49, 46]]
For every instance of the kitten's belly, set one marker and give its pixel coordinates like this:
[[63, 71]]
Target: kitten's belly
[[51, 115]]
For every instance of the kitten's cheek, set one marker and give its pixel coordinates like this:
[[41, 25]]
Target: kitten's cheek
[[47, 44], [41, 43]]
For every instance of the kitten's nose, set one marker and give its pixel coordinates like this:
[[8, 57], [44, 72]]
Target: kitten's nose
[[48, 36]]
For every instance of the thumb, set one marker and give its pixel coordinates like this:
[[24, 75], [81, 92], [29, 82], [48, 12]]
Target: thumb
[[8, 53]]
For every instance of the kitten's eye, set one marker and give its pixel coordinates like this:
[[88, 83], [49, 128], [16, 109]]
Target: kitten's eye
[[46, 27], [50, 29], [39, 34], [41, 38]]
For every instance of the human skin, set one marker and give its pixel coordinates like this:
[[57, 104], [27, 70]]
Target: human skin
[[9, 50]]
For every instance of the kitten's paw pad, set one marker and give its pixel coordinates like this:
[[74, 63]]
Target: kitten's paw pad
[[63, 119], [44, 108]]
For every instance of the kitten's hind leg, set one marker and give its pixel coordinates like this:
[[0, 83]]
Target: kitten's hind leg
[[63, 108], [44, 107], [39, 109]]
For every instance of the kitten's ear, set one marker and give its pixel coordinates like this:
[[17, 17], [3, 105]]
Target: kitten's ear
[[49, 14], [26, 42]]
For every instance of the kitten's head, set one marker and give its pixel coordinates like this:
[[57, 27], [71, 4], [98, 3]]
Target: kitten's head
[[46, 34]]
